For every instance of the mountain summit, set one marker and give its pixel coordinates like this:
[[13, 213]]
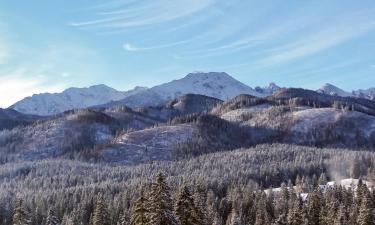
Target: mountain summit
[[330, 89], [219, 85], [72, 98]]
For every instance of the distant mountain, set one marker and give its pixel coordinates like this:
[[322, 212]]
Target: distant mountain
[[335, 91], [330, 89], [72, 98], [269, 90], [213, 84], [369, 93], [10, 118]]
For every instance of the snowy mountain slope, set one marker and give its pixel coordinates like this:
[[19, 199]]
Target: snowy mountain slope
[[335, 91], [213, 84], [152, 144], [330, 89], [369, 93], [70, 132], [72, 98], [269, 90]]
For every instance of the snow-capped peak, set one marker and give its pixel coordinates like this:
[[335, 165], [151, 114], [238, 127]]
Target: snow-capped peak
[[330, 89], [214, 84], [72, 98], [269, 90]]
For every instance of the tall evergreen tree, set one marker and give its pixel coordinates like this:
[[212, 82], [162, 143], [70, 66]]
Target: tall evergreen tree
[[314, 206], [100, 216], [160, 206], [52, 218], [200, 198], [139, 216], [185, 208], [234, 218], [261, 217], [365, 216], [20, 216], [295, 216], [342, 217]]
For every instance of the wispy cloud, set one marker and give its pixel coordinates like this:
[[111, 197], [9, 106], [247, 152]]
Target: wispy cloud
[[308, 45], [133, 48], [151, 12], [373, 66]]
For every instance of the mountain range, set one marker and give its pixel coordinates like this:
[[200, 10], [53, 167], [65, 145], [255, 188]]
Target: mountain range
[[193, 124], [219, 85], [335, 91]]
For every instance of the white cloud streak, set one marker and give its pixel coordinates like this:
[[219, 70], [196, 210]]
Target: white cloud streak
[[315, 43], [153, 12]]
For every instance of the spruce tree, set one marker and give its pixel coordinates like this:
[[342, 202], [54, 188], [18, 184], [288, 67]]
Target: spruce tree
[[20, 216], [139, 216], [314, 206], [342, 217], [100, 216], [185, 210], [365, 216], [295, 216], [160, 205], [200, 198], [52, 218], [261, 217]]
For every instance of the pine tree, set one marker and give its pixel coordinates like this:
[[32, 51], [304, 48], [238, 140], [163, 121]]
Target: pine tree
[[160, 207], [185, 208], [295, 216], [314, 208], [342, 217], [20, 216], [261, 217], [100, 216], [51, 218], [139, 216], [200, 198], [365, 216]]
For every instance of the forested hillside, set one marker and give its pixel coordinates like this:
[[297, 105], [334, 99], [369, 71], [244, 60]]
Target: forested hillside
[[221, 188]]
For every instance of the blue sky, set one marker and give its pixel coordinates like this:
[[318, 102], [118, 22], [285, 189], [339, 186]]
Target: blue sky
[[46, 46]]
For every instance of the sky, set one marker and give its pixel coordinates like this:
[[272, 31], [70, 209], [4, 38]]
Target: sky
[[50, 45]]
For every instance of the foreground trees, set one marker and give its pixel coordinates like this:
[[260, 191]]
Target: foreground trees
[[161, 205]]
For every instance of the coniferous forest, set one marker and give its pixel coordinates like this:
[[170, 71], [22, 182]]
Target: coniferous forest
[[267, 184]]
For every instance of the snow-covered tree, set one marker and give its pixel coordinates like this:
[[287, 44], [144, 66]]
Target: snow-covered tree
[[20, 215], [365, 216], [140, 213], [100, 216], [160, 204], [185, 209], [52, 218]]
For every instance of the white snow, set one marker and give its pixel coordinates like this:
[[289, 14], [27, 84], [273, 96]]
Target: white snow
[[72, 98], [330, 89], [308, 118], [237, 114], [217, 85], [269, 90]]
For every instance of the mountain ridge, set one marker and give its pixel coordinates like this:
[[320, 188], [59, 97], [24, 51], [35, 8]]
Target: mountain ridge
[[218, 85]]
